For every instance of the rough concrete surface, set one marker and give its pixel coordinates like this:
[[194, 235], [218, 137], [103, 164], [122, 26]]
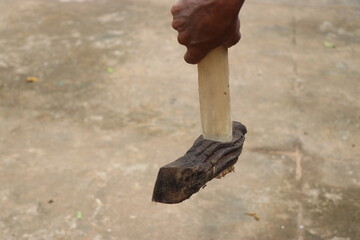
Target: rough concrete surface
[[114, 101]]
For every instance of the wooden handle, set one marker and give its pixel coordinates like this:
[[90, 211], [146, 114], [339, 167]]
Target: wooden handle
[[214, 94]]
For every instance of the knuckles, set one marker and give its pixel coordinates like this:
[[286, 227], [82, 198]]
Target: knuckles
[[201, 33], [176, 8], [178, 24], [183, 38]]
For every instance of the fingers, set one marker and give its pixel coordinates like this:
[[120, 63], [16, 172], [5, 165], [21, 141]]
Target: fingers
[[180, 5], [179, 13], [201, 31], [184, 38], [195, 53], [176, 8], [178, 24], [233, 33]]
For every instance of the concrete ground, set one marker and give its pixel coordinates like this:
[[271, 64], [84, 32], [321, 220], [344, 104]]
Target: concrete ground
[[80, 148]]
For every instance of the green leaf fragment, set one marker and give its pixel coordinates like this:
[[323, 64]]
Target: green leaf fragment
[[110, 70], [79, 215], [329, 45]]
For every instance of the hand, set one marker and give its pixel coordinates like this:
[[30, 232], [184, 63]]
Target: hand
[[206, 24]]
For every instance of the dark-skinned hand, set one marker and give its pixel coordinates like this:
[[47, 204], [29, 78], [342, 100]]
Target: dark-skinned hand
[[206, 24]]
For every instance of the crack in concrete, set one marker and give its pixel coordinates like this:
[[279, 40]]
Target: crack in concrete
[[296, 154]]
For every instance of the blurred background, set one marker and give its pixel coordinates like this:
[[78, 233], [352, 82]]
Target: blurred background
[[95, 97]]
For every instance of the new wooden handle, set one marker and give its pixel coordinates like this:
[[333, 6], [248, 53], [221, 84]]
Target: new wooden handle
[[214, 94]]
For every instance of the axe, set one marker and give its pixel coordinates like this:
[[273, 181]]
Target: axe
[[215, 152]]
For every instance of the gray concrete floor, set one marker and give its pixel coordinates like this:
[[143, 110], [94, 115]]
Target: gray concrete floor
[[88, 139]]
